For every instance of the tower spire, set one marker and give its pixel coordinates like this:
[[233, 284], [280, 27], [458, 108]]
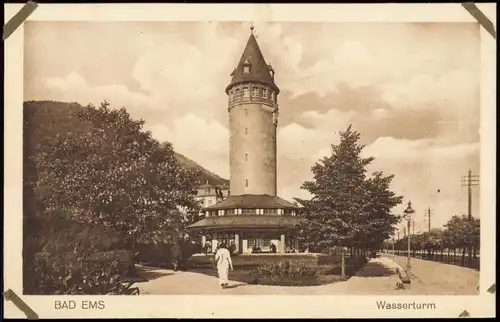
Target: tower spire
[[252, 66]]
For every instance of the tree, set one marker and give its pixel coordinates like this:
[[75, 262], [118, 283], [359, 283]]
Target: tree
[[475, 235], [462, 232], [116, 176], [347, 208], [379, 222]]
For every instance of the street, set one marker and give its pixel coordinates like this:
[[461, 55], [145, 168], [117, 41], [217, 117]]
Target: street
[[434, 278]]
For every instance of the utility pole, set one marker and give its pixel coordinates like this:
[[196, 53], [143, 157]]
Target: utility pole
[[429, 211], [469, 181]]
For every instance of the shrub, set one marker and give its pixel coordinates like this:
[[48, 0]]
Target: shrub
[[71, 274], [159, 254], [284, 271], [125, 260], [64, 258]]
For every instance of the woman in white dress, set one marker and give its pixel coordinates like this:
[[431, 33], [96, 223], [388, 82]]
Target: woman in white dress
[[224, 264]]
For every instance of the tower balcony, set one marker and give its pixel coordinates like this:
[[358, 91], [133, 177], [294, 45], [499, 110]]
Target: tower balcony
[[252, 94]]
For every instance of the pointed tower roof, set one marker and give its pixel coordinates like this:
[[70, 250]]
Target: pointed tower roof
[[252, 67]]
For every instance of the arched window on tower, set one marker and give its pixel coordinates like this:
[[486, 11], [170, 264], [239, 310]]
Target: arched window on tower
[[246, 91], [237, 93], [246, 156], [246, 183], [264, 92], [246, 130], [246, 112]]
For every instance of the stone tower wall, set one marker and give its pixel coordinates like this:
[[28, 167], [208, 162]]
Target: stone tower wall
[[253, 122]]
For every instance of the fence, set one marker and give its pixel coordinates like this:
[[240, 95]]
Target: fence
[[452, 257]]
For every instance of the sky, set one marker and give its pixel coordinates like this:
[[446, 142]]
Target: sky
[[410, 89]]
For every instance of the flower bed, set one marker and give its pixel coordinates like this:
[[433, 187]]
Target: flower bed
[[247, 261], [286, 271]]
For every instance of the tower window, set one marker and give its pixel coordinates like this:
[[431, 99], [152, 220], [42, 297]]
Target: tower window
[[246, 130], [237, 93], [246, 156], [246, 92], [264, 92], [247, 67], [246, 183], [255, 92], [246, 112]]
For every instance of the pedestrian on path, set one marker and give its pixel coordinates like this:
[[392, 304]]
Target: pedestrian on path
[[207, 248], [224, 264], [176, 254]]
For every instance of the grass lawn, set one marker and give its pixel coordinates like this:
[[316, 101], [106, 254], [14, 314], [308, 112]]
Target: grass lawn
[[245, 270]]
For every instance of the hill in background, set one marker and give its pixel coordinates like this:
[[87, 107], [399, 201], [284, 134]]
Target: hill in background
[[45, 120]]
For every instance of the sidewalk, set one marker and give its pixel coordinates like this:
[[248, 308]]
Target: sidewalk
[[377, 277], [434, 278]]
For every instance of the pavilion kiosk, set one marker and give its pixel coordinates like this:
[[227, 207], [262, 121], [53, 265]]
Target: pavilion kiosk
[[252, 223]]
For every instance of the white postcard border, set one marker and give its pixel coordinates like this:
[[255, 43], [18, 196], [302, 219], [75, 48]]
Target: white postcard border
[[482, 305]]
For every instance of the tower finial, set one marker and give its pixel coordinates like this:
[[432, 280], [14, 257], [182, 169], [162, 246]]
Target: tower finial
[[251, 27]]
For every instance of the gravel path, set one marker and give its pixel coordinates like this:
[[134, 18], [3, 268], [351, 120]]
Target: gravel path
[[378, 276], [433, 278]]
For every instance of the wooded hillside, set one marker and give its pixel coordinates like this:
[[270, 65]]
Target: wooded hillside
[[45, 120]]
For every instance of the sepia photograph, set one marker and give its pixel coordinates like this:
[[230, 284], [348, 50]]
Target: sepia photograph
[[253, 157]]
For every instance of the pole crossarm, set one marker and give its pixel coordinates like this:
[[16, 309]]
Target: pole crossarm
[[470, 180]]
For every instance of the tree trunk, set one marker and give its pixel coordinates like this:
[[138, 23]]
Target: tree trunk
[[463, 256], [343, 261]]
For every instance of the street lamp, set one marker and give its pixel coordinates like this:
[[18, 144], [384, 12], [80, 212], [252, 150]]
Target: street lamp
[[408, 215]]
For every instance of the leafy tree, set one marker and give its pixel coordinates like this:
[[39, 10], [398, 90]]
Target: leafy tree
[[457, 231], [434, 240], [379, 224], [417, 242], [347, 208], [463, 233], [475, 235], [116, 176]]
